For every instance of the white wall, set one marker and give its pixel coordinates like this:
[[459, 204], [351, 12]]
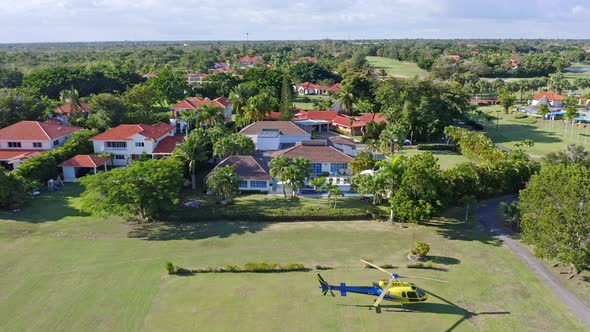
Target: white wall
[[28, 144], [294, 139], [268, 143], [69, 174]]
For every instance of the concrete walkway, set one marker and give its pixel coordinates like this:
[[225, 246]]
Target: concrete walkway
[[487, 215]]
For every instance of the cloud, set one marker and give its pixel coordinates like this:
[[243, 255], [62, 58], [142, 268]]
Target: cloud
[[90, 20]]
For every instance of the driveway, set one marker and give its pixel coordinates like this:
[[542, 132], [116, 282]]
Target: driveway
[[487, 215]]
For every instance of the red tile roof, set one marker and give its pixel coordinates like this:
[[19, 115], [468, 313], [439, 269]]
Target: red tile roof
[[375, 117], [312, 86], [168, 144], [315, 153], [250, 59], [67, 108], [344, 121], [247, 167], [36, 131], [10, 155], [284, 127], [195, 103], [316, 115], [84, 160], [273, 116], [125, 132], [549, 95]]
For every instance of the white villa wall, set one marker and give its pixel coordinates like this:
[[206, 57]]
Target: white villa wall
[[28, 144]]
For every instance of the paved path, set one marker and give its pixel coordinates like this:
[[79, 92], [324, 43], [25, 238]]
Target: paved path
[[487, 216]]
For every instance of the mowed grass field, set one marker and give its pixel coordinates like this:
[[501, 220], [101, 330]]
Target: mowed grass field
[[446, 159], [396, 68], [65, 271], [547, 135]]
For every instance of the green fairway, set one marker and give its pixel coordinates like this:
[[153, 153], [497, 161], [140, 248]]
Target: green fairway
[[65, 271], [548, 136], [396, 68]]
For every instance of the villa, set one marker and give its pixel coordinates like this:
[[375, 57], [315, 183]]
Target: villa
[[275, 135]]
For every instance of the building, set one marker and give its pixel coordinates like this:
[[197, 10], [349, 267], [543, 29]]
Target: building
[[249, 61], [130, 142], [325, 161], [552, 98], [26, 139], [253, 173], [307, 88], [274, 135], [63, 112], [320, 121], [195, 79], [81, 165], [194, 103]]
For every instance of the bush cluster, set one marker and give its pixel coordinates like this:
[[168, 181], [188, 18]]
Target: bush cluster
[[255, 267], [437, 147], [421, 248]]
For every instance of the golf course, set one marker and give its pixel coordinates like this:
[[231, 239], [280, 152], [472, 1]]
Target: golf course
[[71, 271]]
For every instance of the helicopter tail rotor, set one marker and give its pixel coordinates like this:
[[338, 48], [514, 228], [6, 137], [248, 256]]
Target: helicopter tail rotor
[[325, 286]]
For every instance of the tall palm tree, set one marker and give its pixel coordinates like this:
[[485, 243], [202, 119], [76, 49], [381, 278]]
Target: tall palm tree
[[389, 174], [239, 98], [333, 192], [278, 165], [192, 151], [190, 117], [211, 113], [346, 97]]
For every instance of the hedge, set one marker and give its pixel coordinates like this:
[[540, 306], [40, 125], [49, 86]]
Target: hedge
[[259, 267], [437, 147]]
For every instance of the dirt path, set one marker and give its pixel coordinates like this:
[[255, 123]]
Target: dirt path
[[488, 218]]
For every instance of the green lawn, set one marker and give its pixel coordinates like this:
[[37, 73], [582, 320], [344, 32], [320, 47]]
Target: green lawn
[[65, 271], [547, 135], [396, 68], [446, 159], [306, 102]]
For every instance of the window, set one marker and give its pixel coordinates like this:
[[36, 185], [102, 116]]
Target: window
[[37, 144], [56, 142], [412, 295], [420, 292], [243, 184], [258, 184], [139, 144], [336, 167], [316, 168], [116, 145], [403, 294], [119, 157], [14, 144]]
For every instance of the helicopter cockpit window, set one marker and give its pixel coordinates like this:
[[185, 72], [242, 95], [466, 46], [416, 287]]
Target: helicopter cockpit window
[[420, 292], [403, 294], [412, 295]]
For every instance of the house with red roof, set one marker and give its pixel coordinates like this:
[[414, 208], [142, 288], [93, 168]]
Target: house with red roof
[[128, 142], [550, 98], [26, 139], [308, 88], [221, 66], [249, 61], [194, 103], [81, 165], [322, 120], [63, 112], [195, 79]]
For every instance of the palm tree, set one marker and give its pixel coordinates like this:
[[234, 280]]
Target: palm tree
[[239, 98], [211, 113], [570, 113], [224, 182], [188, 116], [346, 97], [389, 175], [333, 192], [192, 151], [294, 178], [278, 165], [318, 184]]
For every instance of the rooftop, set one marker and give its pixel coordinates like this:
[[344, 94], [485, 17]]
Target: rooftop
[[247, 167], [126, 132], [36, 131], [284, 127], [84, 160], [318, 152]]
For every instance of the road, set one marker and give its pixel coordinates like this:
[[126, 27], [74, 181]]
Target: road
[[487, 215]]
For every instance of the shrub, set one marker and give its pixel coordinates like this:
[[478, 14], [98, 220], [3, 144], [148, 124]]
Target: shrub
[[293, 267], [420, 248], [170, 267], [322, 267], [421, 265], [437, 147], [260, 267], [231, 268]]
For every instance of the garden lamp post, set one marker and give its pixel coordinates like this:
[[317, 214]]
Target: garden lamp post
[[497, 119]]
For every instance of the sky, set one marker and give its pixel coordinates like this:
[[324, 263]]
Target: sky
[[24, 21]]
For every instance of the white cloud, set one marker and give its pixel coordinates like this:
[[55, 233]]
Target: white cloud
[[81, 20]]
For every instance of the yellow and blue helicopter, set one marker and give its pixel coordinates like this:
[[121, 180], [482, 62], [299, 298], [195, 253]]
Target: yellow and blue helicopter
[[392, 290]]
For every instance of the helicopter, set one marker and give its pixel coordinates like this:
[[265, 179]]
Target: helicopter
[[391, 290]]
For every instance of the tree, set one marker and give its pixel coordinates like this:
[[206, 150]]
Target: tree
[[362, 161], [570, 114], [333, 192], [12, 190], [388, 179], [258, 106], [224, 183], [318, 184], [543, 110], [108, 111], [170, 85], [190, 117], [294, 179], [142, 98], [234, 144], [143, 190], [210, 113], [286, 102], [506, 99], [392, 138], [346, 98], [420, 193], [572, 154], [556, 214], [193, 151], [278, 166]]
